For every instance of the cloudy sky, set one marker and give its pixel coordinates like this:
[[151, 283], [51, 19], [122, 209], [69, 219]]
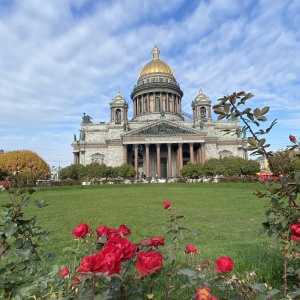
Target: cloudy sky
[[60, 58]]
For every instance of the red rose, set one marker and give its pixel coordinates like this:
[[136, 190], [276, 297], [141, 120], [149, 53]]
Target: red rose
[[81, 230], [204, 294], [87, 264], [296, 232], [76, 280], [190, 249], [292, 138], [224, 264], [158, 241], [107, 260], [149, 262], [127, 248], [167, 204], [103, 230], [65, 271], [146, 242], [123, 230]]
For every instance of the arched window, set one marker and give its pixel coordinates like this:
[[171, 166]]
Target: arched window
[[202, 112], [118, 116], [140, 106], [157, 104]]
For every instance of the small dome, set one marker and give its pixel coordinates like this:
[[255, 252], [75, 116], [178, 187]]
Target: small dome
[[201, 96], [156, 65], [118, 98]]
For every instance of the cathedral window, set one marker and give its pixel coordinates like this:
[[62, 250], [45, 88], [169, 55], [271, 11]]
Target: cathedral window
[[203, 112], [157, 104], [118, 116], [161, 79], [140, 106], [152, 79]]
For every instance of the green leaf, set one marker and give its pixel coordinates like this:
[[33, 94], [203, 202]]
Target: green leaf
[[260, 287], [297, 175], [261, 142], [295, 293], [226, 107], [41, 203], [273, 292], [24, 253], [187, 272], [264, 110], [219, 111], [256, 113], [262, 297], [251, 141], [262, 118], [251, 148], [10, 229]]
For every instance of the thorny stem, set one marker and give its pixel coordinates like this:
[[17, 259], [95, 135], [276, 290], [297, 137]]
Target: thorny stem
[[169, 280], [284, 186], [285, 272]]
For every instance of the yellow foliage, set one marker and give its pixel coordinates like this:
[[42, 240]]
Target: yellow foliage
[[23, 160]]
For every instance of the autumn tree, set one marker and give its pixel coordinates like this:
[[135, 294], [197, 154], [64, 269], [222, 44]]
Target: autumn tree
[[25, 161]]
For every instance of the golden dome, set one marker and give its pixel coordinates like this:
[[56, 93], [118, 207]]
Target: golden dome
[[156, 65], [118, 98]]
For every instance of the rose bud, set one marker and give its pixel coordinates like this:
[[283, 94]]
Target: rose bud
[[292, 138], [167, 204], [65, 271]]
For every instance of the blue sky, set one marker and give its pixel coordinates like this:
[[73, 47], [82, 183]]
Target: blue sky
[[59, 59]]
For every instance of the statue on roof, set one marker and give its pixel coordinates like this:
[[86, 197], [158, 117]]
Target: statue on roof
[[86, 119], [201, 124]]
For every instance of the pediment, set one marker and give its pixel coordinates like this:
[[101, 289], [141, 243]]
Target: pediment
[[163, 128]]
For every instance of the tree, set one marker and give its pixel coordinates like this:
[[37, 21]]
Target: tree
[[237, 166], [192, 170], [125, 171], [213, 167], [71, 171], [25, 161]]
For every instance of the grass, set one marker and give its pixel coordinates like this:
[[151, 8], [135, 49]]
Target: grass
[[226, 216]]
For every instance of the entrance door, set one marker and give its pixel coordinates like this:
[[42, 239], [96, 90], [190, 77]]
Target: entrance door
[[163, 167]]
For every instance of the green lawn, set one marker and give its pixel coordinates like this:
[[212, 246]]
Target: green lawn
[[226, 216]]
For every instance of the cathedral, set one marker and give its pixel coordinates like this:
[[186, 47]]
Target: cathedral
[[160, 138]]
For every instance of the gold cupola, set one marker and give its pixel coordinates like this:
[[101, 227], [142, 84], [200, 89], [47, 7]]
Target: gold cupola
[[156, 94], [156, 65]]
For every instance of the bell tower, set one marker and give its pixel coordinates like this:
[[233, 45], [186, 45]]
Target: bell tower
[[201, 107], [118, 110]]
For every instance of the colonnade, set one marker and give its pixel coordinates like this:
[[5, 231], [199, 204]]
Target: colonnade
[[171, 156], [151, 102]]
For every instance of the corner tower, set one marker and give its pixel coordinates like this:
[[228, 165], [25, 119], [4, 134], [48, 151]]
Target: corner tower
[[157, 92], [118, 110], [201, 107]]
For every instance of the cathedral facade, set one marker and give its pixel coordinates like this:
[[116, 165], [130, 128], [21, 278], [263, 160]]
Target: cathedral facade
[[160, 138]]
